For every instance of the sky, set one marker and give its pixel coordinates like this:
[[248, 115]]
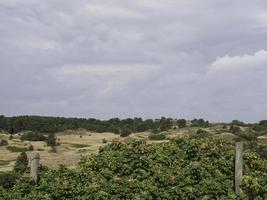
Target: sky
[[124, 58]]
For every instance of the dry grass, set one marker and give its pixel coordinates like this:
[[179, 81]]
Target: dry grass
[[72, 147], [74, 144]]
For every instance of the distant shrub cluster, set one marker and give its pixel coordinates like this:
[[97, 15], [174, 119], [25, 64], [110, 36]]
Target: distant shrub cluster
[[157, 136], [203, 133], [33, 136], [261, 126], [199, 123], [123, 127], [56, 124], [16, 149]]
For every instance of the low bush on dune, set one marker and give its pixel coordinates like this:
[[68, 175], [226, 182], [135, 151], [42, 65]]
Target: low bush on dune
[[192, 168], [33, 136]]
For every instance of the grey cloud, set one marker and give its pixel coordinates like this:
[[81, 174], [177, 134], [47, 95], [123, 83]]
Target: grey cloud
[[132, 58]]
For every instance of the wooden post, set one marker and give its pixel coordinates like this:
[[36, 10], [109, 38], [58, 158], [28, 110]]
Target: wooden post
[[238, 166], [35, 158]]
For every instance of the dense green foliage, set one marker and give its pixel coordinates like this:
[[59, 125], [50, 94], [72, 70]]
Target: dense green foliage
[[202, 133], [191, 168], [51, 140], [21, 163], [181, 123], [8, 179], [56, 124], [16, 149], [32, 136], [199, 123]]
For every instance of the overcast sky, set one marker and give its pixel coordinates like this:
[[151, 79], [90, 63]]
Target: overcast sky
[[125, 58]]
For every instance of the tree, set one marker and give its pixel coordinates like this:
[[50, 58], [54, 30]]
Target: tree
[[237, 123], [181, 123], [125, 132], [21, 163], [51, 140]]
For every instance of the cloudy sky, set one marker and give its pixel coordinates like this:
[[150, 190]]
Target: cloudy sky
[[125, 58]]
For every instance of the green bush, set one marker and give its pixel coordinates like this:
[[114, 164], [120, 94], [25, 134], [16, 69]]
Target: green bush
[[16, 149], [31, 148], [21, 163], [181, 123], [33, 136], [191, 168], [8, 179], [104, 141], [203, 133], [158, 136], [51, 140], [234, 129], [199, 123], [125, 132], [4, 162]]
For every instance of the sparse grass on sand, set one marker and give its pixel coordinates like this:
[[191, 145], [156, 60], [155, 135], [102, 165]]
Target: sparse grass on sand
[[73, 145]]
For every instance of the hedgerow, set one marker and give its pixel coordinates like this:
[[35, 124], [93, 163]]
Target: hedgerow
[[191, 168]]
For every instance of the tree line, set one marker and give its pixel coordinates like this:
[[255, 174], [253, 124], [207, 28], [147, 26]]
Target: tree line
[[114, 125]]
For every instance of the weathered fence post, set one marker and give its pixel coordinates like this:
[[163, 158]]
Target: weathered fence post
[[238, 166], [35, 158]]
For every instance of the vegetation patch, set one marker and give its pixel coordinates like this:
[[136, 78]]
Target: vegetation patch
[[157, 136], [16, 149], [79, 145], [191, 168], [33, 136], [3, 142], [4, 162]]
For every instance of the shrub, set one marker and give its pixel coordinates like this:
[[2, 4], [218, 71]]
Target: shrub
[[125, 132], [4, 162], [159, 136], [234, 129], [181, 123], [8, 179], [238, 123], [33, 136], [3, 142], [191, 168], [249, 136], [51, 140], [155, 130], [21, 163], [31, 148], [16, 149], [199, 123], [104, 141], [203, 133]]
